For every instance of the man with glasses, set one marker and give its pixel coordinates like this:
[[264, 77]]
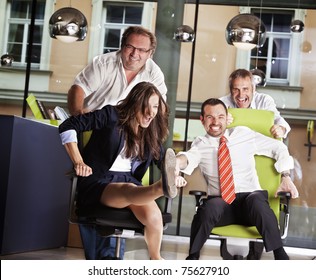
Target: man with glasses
[[105, 81], [110, 77]]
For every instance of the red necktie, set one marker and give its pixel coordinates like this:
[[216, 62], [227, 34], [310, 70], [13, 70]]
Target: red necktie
[[225, 171]]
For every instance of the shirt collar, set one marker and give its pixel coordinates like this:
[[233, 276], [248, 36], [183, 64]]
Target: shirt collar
[[253, 103], [215, 140]]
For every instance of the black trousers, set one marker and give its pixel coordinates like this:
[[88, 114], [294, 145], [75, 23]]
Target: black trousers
[[251, 209]]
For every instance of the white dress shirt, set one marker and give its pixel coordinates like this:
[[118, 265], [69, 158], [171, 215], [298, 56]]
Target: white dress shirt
[[264, 102], [243, 144], [104, 81]]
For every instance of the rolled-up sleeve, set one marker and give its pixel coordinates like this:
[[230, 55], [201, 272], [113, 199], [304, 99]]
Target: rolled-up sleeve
[[275, 149], [193, 157], [68, 136], [284, 164]]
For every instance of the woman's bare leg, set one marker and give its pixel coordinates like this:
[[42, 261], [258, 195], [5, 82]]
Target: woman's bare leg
[[120, 195], [124, 194], [150, 216]]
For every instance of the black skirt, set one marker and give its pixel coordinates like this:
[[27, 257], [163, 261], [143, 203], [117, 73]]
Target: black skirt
[[90, 189]]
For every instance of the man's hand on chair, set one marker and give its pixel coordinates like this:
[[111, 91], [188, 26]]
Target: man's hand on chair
[[287, 185], [277, 131], [229, 119]]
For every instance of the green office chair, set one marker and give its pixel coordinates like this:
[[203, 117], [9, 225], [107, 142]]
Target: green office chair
[[238, 240]]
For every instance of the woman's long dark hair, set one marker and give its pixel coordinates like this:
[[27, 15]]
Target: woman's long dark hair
[[150, 138]]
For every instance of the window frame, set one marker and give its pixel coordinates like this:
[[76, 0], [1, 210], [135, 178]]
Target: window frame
[[296, 39], [98, 19], [118, 26], [26, 25]]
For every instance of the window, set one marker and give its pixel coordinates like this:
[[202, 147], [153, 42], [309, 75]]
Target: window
[[280, 57], [117, 17], [273, 57], [19, 21]]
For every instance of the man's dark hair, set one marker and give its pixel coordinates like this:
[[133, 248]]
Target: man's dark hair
[[212, 102]]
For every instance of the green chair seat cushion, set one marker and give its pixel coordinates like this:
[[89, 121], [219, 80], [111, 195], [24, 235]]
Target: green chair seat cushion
[[237, 231]]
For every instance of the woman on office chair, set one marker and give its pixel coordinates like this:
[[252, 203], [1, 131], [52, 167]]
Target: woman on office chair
[[125, 139]]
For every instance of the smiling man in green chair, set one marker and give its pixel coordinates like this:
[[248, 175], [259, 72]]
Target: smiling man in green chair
[[251, 206]]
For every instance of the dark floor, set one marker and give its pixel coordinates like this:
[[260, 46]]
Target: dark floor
[[173, 248]]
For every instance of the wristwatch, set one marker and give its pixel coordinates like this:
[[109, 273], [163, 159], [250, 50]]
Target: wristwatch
[[285, 175]]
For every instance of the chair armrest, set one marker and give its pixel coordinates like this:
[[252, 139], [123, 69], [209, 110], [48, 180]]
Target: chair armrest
[[198, 195], [284, 207], [284, 194], [72, 216], [285, 198]]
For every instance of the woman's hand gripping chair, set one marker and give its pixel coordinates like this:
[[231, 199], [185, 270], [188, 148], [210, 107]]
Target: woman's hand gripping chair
[[239, 241]]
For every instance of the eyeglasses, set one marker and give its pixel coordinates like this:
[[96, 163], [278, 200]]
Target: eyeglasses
[[140, 50]]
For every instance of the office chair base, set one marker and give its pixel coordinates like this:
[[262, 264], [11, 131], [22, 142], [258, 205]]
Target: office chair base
[[255, 251]]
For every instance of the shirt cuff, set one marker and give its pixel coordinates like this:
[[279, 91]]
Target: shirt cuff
[[190, 167], [68, 136], [284, 164], [287, 130]]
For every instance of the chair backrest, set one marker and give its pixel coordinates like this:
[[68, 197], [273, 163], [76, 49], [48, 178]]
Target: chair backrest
[[261, 121]]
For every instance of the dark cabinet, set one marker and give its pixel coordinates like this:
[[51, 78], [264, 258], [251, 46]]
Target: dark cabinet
[[34, 188]]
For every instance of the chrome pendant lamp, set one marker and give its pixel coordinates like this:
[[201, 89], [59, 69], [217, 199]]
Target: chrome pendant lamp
[[6, 60], [245, 31], [259, 77], [297, 25], [184, 33], [68, 25]]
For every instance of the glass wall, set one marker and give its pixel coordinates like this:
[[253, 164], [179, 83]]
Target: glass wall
[[194, 71]]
